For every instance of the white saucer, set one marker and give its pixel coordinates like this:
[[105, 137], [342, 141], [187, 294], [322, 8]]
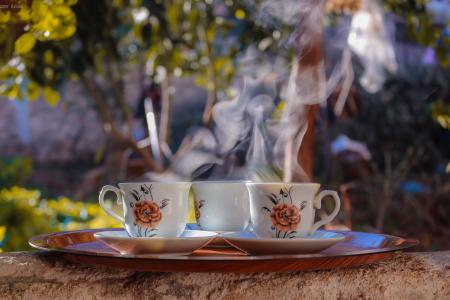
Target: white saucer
[[217, 242], [250, 243], [189, 241]]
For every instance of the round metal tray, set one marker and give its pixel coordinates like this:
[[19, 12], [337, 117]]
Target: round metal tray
[[359, 248]]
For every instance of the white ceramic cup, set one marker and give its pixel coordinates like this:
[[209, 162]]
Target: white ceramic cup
[[151, 209], [221, 205], [287, 210]]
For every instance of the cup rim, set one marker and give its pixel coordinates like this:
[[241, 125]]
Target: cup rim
[[315, 184], [153, 182], [197, 182]]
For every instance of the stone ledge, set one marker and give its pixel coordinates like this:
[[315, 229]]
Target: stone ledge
[[36, 275]]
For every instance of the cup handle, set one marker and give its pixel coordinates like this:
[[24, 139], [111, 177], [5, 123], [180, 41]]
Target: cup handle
[[101, 200], [318, 205]]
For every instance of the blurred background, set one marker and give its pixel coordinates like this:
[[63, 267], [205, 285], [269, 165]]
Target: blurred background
[[100, 92]]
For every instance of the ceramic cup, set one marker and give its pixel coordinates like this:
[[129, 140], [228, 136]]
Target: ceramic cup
[[151, 209], [221, 205], [287, 210]]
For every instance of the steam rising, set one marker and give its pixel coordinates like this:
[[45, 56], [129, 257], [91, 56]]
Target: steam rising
[[268, 119], [255, 117]]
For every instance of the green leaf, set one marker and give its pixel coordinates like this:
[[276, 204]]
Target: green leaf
[[66, 31], [201, 80], [49, 57], [4, 16], [51, 95], [61, 10], [39, 9], [2, 233], [240, 14], [33, 91], [13, 92], [172, 17], [24, 43], [211, 34], [8, 72], [24, 14]]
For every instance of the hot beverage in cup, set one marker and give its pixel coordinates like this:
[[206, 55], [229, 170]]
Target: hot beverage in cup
[[150, 209], [287, 210], [221, 205]]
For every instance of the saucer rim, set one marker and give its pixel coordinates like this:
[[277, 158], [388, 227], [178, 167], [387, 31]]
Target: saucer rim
[[101, 235], [339, 238]]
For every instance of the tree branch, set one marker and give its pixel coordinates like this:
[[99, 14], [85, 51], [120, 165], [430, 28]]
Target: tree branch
[[211, 74], [95, 91], [165, 111], [109, 124]]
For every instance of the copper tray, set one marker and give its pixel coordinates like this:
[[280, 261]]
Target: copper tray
[[358, 249]]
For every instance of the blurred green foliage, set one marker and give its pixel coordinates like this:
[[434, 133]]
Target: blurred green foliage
[[421, 27], [159, 39], [24, 214], [48, 42], [15, 171], [21, 31], [441, 113], [45, 43]]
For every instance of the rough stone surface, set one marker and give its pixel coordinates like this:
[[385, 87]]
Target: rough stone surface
[[29, 275]]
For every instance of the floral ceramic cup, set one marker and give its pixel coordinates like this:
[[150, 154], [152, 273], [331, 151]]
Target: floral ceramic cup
[[287, 210], [221, 205], [151, 209]]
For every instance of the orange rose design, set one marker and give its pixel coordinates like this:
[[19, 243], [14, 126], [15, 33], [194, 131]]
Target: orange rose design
[[147, 214], [285, 217], [197, 207], [197, 212]]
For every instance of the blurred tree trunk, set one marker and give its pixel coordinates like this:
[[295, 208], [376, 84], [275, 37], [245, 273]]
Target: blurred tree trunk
[[309, 68], [309, 58], [307, 149], [165, 112]]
